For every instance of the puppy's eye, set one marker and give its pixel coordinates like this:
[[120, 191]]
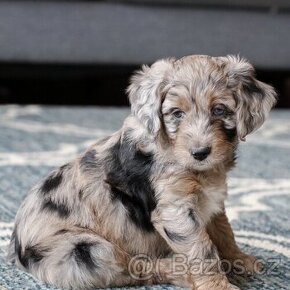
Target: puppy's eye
[[219, 111], [178, 114]]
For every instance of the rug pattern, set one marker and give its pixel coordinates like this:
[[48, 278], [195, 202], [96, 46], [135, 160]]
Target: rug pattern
[[36, 139]]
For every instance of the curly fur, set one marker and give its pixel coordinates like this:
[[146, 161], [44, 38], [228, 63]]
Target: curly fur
[[141, 190]]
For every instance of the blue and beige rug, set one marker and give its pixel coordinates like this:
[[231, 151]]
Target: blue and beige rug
[[33, 140]]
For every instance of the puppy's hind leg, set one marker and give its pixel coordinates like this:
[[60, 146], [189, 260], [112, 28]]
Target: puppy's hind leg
[[77, 259]]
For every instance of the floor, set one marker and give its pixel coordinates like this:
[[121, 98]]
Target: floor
[[36, 139]]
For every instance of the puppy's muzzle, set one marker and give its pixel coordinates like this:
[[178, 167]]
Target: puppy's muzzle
[[200, 153]]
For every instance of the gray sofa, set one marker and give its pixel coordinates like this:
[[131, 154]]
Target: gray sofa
[[140, 31]]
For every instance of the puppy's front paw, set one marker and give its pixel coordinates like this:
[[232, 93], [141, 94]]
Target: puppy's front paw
[[214, 282], [251, 264], [246, 265]]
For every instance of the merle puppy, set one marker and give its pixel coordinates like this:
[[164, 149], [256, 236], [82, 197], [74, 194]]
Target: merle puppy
[[155, 187]]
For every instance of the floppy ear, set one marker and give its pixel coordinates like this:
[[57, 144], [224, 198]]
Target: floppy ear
[[254, 98], [145, 93]]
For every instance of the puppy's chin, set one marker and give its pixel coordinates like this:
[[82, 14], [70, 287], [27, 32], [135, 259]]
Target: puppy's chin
[[196, 165], [205, 165], [202, 165]]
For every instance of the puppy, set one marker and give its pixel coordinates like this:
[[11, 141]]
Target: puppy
[[156, 187]]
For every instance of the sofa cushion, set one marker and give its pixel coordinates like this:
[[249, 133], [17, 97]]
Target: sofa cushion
[[117, 33]]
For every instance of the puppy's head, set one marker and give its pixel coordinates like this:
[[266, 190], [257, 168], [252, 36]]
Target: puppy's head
[[201, 106]]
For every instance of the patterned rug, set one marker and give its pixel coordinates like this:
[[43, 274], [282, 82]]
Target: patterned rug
[[36, 139]]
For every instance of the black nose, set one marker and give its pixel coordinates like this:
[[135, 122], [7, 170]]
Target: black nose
[[200, 153]]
